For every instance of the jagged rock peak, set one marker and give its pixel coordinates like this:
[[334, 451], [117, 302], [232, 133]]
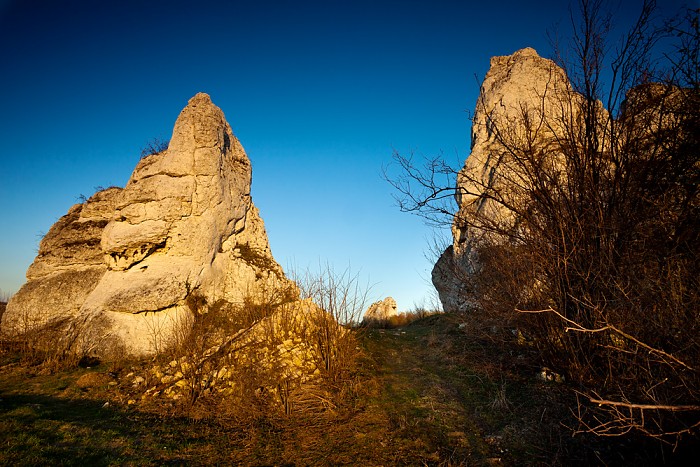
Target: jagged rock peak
[[517, 83], [519, 86], [202, 121], [129, 258]]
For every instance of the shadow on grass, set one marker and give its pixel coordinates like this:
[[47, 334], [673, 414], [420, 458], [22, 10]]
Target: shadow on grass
[[43, 430]]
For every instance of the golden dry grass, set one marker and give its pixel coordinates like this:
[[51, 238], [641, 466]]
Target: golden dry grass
[[426, 394]]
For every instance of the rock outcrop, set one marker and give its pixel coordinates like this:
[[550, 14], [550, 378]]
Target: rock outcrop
[[380, 311], [448, 277], [522, 87], [518, 88], [69, 265], [121, 265]]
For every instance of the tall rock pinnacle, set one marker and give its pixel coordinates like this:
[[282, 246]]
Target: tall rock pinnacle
[[518, 88], [177, 228]]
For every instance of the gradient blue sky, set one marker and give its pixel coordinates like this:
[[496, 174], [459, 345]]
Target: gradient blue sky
[[318, 93]]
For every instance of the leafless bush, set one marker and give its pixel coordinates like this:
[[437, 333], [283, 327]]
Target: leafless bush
[[3, 305], [154, 146], [5, 296], [398, 320], [271, 353], [49, 346], [344, 299], [599, 241]]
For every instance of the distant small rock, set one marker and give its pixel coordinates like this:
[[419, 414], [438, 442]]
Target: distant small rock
[[381, 310]]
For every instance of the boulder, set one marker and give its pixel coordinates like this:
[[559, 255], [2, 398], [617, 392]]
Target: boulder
[[449, 276], [121, 266], [381, 310]]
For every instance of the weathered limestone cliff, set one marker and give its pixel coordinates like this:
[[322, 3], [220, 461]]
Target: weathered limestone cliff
[[519, 91], [121, 265], [521, 100]]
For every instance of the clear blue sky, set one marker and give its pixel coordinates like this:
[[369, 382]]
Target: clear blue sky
[[318, 93]]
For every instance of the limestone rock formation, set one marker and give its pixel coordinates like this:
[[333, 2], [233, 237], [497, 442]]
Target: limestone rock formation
[[517, 88], [448, 278], [120, 266], [380, 311]]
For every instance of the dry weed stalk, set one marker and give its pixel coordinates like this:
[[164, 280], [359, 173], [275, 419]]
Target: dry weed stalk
[[273, 352]]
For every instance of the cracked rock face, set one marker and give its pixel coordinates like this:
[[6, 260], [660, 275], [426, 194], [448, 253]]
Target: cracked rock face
[[517, 88], [122, 264]]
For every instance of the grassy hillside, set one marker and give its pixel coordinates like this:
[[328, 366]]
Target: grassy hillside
[[429, 393]]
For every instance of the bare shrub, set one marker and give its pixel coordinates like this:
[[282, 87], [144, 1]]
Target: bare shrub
[[594, 237], [344, 299], [271, 353], [402, 319], [154, 146], [48, 346]]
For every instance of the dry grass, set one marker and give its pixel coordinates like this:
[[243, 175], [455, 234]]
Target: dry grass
[[400, 319], [426, 394], [266, 357]]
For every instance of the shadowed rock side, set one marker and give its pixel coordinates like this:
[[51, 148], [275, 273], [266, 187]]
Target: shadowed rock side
[[447, 276], [121, 265], [67, 268]]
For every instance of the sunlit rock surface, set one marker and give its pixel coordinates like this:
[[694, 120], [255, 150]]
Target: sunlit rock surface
[[120, 266], [518, 93], [381, 310]]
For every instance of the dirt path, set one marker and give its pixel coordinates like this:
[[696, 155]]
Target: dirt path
[[429, 401]]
